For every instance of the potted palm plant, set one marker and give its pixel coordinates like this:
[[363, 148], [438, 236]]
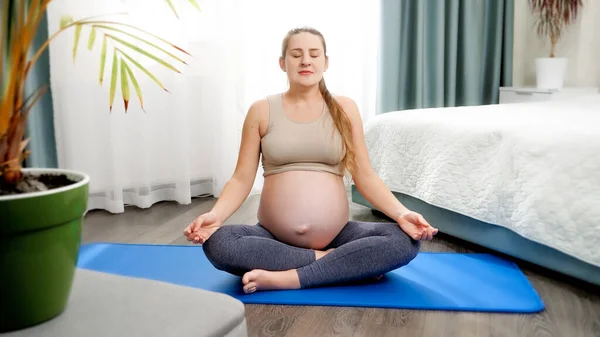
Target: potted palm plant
[[551, 18], [41, 210]]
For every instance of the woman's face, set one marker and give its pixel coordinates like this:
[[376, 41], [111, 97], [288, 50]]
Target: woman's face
[[305, 60]]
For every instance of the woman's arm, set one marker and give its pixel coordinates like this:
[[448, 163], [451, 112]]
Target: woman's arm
[[370, 186], [373, 189], [238, 187]]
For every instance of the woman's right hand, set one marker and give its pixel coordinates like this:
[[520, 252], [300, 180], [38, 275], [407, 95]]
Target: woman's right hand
[[202, 227]]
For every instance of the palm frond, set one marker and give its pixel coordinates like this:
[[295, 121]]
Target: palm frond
[[172, 7], [143, 52], [19, 24], [102, 60], [142, 68], [553, 16], [135, 84], [124, 84], [139, 38], [195, 4], [113, 80], [170, 3]]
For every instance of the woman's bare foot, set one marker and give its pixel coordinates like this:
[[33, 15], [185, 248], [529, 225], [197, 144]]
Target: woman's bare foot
[[259, 279], [320, 253]]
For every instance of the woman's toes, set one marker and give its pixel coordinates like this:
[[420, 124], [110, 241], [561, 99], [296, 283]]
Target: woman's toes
[[250, 288], [250, 281], [249, 276]]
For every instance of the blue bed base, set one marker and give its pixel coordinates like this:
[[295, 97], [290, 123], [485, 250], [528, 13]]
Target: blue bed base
[[494, 237]]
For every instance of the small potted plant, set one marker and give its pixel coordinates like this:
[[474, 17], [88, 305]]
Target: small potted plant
[[41, 210], [551, 18]]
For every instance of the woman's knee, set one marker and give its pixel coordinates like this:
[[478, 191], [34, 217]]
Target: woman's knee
[[403, 248], [217, 247]]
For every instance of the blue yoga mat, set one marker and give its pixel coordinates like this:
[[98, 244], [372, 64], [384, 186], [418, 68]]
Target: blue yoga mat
[[432, 281]]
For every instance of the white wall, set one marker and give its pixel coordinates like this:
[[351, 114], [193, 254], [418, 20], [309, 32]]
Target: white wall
[[580, 44]]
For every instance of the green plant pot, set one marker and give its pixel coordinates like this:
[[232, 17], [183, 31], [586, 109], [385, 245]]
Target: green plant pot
[[40, 234]]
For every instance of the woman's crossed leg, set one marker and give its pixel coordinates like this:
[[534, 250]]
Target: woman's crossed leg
[[361, 250]]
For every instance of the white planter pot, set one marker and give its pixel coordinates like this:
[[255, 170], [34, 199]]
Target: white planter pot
[[550, 72]]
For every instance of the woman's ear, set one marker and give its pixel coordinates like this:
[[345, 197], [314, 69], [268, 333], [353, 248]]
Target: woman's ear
[[282, 63]]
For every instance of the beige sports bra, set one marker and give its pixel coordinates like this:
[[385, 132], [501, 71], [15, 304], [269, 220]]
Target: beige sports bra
[[295, 146]]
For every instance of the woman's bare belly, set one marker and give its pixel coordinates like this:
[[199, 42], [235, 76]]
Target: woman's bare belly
[[304, 208]]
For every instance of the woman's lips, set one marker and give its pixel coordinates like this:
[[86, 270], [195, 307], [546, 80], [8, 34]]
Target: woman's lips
[[305, 72]]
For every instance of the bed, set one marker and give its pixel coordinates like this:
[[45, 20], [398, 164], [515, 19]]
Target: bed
[[522, 179]]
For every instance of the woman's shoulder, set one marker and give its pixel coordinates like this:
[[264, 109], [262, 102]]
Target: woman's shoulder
[[344, 100], [266, 100], [259, 109], [349, 106], [347, 103], [263, 105]]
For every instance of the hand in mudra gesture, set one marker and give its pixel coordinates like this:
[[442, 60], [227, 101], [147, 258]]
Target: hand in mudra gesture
[[413, 224], [202, 227]]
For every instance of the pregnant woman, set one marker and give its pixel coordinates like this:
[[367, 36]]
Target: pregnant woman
[[309, 140]]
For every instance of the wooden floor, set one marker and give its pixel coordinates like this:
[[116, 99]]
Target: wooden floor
[[572, 308]]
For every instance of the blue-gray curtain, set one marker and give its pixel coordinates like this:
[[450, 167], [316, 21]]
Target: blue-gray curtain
[[439, 53], [40, 126]]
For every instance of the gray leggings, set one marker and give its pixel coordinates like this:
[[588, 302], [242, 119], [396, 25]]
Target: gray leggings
[[362, 250]]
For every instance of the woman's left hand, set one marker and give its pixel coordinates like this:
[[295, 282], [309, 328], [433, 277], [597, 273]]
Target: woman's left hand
[[413, 224]]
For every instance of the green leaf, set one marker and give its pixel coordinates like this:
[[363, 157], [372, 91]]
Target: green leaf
[[143, 69], [172, 7], [124, 85], [65, 20], [102, 60], [195, 4], [143, 52], [139, 30], [142, 40], [92, 38], [134, 82], [76, 43], [113, 80]]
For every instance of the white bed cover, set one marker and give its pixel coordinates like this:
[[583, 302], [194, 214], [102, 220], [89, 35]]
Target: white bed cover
[[533, 168]]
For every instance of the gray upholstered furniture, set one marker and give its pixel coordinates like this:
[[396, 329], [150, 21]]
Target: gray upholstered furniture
[[109, 305]]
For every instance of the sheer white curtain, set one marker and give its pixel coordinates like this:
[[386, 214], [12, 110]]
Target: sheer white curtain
[[186, 142]]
